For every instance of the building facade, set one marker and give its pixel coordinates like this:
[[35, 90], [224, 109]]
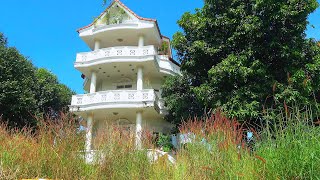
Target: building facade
[[123, 73]]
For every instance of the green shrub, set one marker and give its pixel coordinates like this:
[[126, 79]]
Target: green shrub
[[164, 142]]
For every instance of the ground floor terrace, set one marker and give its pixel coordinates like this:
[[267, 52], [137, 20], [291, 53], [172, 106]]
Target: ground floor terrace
[[132, 121]]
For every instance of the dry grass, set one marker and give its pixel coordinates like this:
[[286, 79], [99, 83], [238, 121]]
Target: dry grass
[[218, 151]]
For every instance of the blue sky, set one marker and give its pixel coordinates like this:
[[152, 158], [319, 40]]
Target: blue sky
[[45, 31]]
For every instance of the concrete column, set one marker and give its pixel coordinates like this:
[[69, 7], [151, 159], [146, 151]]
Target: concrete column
[[88, 148], [93, 84], [139, 130], [140, 78], [141, 41], [97, 44]]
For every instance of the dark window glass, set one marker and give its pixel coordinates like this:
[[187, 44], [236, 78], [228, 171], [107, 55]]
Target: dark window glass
[[124, 86], [120, 87]]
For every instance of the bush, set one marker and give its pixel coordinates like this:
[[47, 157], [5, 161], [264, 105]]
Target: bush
[[165, 143]]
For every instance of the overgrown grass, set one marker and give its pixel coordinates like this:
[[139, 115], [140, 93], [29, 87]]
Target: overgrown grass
[[288, 147], [290, 142], [219, 151]]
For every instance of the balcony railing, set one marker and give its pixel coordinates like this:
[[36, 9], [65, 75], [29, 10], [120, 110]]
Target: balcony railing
[[125, 23], [120, 51], [166, 64], [159, 105], [116, 96]]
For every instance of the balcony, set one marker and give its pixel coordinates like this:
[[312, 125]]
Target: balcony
[[116, 99], [126, 54], [120, 53], [167, 66]]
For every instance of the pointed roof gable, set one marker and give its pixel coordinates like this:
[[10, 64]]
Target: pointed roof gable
[[126, 8]]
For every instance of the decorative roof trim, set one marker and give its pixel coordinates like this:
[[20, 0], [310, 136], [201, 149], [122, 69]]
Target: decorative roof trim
[[174, 61], [165, 37], [125, 7]]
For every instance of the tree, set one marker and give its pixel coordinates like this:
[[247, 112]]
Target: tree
[[26, 91], [51, 95], [241, 56], [17, 86], [180, 99]]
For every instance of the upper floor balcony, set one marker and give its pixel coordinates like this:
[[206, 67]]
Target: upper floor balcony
[[115, 54], [117, 99], [88, 61]]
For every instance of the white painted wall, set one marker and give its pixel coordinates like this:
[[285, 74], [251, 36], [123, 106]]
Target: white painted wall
[[111, 83], [148, 83]]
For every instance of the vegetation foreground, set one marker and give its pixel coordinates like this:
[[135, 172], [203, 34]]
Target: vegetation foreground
[[219, 149]]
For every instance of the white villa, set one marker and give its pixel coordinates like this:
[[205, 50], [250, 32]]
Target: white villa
[[123, 73]]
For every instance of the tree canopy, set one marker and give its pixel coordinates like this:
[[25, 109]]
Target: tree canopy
[[26, 91], [242, 56]]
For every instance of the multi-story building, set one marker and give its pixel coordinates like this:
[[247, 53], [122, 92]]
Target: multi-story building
[[123, 73]]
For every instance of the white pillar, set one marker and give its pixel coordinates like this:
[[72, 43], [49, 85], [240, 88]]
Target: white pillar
[[141, 41], [139, 130], [89, 155], [140, 78], [97, 44], [93, 84]]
